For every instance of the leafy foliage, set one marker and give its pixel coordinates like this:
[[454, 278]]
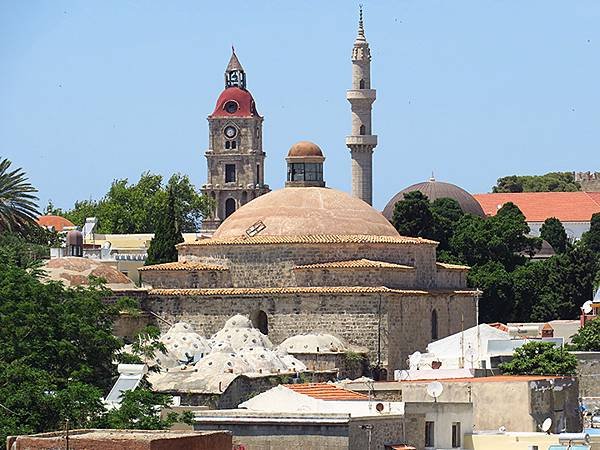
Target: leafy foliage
[[550, 182], [162, 247], [497, 249], [18, 203], [540, 358], [591, 238], [140, 410], [587, 338], [132, 208], [57, 351], [412, 215], [554, 233]]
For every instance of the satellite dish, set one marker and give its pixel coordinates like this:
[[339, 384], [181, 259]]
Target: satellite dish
[[502, 429], [379, 407], [435, 389], [587, 307], [546, 425], [415, 359]]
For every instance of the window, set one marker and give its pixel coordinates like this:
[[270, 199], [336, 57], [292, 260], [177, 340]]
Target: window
[[257, 174], [429, 434], [229, 173], [361, 84], [229, 207], [233, 144], [305, 172], [455, 434], [434, 325], [244, 198], [362, 130], [228, 144], [259, 320]]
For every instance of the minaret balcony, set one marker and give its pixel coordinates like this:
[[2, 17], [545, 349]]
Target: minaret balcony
[[367, 140], [361, 94]]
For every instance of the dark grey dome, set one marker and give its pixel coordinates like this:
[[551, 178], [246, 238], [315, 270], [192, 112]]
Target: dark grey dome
[[437, 189]]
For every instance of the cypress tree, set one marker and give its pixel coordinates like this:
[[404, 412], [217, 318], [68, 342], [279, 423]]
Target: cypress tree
[[162, 247]]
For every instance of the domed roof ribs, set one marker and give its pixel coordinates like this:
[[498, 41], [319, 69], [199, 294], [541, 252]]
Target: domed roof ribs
[[234, 73]]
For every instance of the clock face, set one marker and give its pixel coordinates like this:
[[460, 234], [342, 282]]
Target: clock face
[[231, 107], [230, 131]]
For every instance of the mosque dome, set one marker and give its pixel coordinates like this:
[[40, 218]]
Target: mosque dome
[[75, 271], [303, 149], [437, 189], [307, 211], [57, 223]]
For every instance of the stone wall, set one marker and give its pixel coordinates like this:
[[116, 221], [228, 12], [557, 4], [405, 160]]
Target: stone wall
[[180, 279], [391, 324], [271, 265], [588, 373], [347, 365], [123, 440], [391, 278]]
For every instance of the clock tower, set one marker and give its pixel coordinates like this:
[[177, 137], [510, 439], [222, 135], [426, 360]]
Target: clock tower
[[235, 158]]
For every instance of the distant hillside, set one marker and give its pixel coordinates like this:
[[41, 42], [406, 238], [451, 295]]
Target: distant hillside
[[550, 182]]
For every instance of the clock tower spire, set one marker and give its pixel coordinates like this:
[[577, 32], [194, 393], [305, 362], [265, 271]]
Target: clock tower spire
[[235, 158], [361, 141]]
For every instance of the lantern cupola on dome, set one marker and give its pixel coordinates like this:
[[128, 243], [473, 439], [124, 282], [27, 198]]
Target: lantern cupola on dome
[[305, 165]]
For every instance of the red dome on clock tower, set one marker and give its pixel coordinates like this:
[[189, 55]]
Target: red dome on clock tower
[[235, 100]]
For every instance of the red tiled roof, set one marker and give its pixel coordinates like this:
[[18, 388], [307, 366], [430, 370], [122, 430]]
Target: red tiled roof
[[58, 223], [538, 206], [325, 391]]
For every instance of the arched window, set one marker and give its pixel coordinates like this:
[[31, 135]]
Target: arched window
[[259, 320], [229, 207], [233, 144], [227, 144], [361, 84], [434, 325], [362, 130]]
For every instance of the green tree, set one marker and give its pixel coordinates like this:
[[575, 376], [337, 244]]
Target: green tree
[[587, 338], [446, 215], [540, 358], [550, 182], [131, 208], [413, 217], [162, 247], [591, 238], [497, 300], [18, 203], [140, 410], [501, 238], [554, 233]]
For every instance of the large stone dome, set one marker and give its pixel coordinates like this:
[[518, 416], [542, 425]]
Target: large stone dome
[[307, 211], [75, 271], [437, 189]]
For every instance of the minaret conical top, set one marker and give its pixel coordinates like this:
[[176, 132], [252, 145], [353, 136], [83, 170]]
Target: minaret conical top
[[234, 73]]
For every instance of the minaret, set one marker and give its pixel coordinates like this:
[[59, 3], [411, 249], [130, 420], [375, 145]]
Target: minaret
[[361, 97]]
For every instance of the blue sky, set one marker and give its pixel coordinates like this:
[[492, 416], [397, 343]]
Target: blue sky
[[473, 90]]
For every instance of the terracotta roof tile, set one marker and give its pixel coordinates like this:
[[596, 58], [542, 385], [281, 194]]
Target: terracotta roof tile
[[183, 265], [311, 239], [325, 391], [538, 206], [207, 292], [452, 266], [356, 264]]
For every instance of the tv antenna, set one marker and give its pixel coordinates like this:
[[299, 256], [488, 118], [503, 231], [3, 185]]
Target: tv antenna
[[435, 389]]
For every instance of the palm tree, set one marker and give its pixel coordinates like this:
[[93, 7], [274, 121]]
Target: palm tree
[[18, 204]]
